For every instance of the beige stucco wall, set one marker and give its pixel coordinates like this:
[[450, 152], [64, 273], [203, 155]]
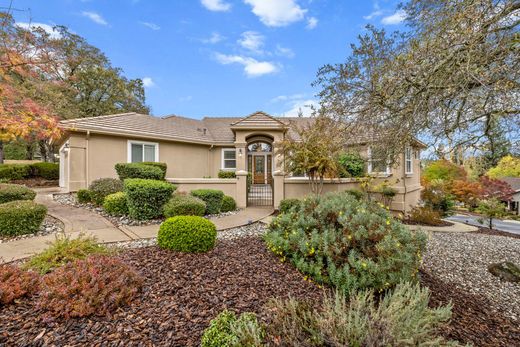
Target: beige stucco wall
[[228, 186]]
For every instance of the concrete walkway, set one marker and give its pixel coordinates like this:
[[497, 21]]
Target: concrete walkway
[[455, 228], [79, 221]]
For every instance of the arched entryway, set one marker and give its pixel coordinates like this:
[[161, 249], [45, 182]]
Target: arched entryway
[[260, 169]]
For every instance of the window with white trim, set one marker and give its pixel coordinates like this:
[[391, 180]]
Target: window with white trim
[[377, 165], [139, 152], [229, 159], [408, 160]]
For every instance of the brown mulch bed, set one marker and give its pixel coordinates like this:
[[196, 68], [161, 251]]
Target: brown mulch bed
[[442, 223], [472, 320], [36, 182], [488, 231], [182, 293]]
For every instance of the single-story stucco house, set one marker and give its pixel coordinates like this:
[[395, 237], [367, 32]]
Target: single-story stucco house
[[513, 205], [196, 150]]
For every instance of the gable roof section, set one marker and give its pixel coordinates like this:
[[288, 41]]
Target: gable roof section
[[514, 182], [257, 120]]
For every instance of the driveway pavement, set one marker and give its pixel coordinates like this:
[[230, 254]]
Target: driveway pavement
[[503, 225]]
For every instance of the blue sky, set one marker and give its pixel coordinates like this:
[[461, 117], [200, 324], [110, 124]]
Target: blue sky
[[218, 57]]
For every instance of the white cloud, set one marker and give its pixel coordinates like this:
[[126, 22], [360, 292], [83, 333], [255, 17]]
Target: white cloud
[[396, 18], [303, 106], [284, 51], [148, 82], [216, 5], [292, 97], [252, 67], [95, 17], [54, 34], [214, 38], [375, 13], [252, 41], [312, 22], [150, 25], [277, 13]]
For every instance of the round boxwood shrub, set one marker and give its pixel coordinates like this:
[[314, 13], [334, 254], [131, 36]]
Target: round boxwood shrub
[[48, 171], [139, 170], [115, 204], [346, 243], [12, 192], [102, 187], [184, 205], [212, 198], [228, 204], [21, 217], [287, 204], [84, 196], [187, 234], [146, 198]]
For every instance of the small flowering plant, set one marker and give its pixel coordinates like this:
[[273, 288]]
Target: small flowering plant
[[349, 244]]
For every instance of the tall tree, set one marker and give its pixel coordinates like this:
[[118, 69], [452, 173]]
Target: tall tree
[[450, 77]]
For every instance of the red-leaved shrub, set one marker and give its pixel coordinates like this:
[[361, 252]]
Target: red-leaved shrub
[[96, 285], [16, 283]]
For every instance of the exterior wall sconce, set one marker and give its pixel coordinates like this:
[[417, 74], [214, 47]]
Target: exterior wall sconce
[[240, 152]]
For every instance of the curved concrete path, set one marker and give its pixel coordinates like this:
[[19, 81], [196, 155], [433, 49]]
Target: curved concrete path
[[455, 228], [79, 221]]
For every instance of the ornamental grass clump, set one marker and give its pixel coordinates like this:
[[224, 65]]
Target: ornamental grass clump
[[16, 283], [227, 330], [97, 285], [349, 244], [63, 251]]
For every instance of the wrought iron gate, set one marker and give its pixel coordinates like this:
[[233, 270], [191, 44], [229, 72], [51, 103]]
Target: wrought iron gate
[[260, 194]]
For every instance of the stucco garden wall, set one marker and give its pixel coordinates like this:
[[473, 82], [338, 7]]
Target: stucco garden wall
[[186, 185]]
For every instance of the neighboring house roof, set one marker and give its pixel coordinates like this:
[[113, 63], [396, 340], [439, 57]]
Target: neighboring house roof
[[514, 182], [209, 130]]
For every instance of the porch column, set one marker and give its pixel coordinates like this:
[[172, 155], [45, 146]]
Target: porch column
[[241, 173], [278, 176]]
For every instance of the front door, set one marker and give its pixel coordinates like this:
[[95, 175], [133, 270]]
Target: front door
[[258, 169]]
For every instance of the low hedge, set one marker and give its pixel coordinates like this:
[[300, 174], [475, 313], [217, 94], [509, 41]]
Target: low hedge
[[226, 174], [115, 204], [146, 198], [212, 197], [101, 188], [139, 170], [21, 217], [184, 205], [84, 196], [15, 171], [228, 204], [161, 166], [187, 234], [13, 192], [48, 171]]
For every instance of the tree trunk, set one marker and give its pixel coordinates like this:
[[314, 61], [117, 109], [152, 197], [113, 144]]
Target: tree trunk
[[43, 151], [490, 223], [1, 152], [29, 155]]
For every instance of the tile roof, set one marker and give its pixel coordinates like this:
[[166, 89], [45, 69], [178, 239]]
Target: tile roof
[[514, 182]]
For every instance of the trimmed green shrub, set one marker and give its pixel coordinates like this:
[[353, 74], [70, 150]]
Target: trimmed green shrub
[[21, 217], [13, 192], [358, 194], [139, 170], [401, 318], [16, 283], [184, 205], [15, 171], [84, 196], [187, 234], [146, 198], [103, 187], [346, 243], [287, 204], [161, 166], [63, 251], [228, 204], [48, 171], [212, 198], [229, 330], [115, 204], [226, 174], [96, 285], [351, 165]]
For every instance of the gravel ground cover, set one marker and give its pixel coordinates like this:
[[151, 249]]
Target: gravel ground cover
[[182, 293], [50, 225], [70, 199], [461, 261]]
